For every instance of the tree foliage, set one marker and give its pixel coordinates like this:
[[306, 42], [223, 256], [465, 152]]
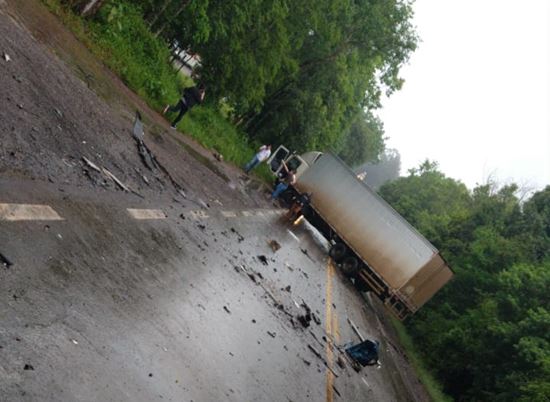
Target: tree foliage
[[487, 334], [300, 73]]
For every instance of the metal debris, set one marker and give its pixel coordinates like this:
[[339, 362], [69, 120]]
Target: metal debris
[[274, 245], [5, 261]]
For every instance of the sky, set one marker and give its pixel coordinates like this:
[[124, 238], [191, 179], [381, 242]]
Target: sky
[[476, 92]]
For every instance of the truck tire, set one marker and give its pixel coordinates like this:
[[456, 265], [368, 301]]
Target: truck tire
[[350, 266], [338, 252]]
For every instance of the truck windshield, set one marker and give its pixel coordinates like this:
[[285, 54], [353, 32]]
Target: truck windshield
[[293, 164]]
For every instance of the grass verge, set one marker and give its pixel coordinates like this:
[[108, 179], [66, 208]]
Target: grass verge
[[433, 387]]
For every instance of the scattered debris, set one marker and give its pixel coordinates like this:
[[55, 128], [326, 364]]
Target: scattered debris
[[137, 130], [218, 156], [150, 374], [274, 245], [315, 337], [288, 288], [307, 362], [91, 164], [114, 178], [6, 56], [341, 362], [28, 367], [263, 259], [226, 310], [5, 261], [335, 390], [305, 319], [271, 334], [74, 341], [201, 226], [316, 353], [240, 238], [316, 319], [356, 330], [253, 321], [303, 250]]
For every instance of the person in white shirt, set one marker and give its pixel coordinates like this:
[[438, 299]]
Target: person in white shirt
[[263, 154]]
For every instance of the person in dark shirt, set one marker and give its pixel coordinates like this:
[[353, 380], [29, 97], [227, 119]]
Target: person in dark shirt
[[191, 96]]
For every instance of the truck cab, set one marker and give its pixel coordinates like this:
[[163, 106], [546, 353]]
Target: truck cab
[[298, 163]]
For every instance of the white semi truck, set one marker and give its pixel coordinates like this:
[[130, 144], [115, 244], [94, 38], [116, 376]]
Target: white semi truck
[[370, 241]]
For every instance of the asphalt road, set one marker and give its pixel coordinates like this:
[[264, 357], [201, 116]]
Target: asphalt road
[[162, 302]]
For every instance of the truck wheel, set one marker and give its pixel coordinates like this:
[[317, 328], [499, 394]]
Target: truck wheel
[[350, 266], [338, 252]]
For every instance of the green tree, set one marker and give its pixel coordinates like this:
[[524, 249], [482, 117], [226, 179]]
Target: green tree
[[364, 141], [486, 334]]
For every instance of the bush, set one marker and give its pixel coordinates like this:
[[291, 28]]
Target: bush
[[129, 48]]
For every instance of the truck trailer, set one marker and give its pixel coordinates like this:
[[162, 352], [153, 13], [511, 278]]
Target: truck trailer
[[370, 242]]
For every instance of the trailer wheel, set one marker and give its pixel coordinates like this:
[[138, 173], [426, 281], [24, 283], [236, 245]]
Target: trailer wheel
[[350, 266], [338, 252]]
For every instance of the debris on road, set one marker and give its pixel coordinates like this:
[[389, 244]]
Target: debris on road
[[341, 362], [91, 164], [305, 319], [218, 156], [263, 259], [316, 319], [137, 130], [6, 262], [274, 244], [356, 330], [226, 310], [307, 362], [303, 250], [240, 238], [114, 178], [316, 353], [28, 367], [272, 334], [6, 56], [335, 390]]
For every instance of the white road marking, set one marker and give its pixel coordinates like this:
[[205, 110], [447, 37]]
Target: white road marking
[[199, 214], [229, 214], [143, 214], [28, 212]]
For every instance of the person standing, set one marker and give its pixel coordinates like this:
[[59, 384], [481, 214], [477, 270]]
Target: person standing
[[263, 154], [191, 96], [289, 180]]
